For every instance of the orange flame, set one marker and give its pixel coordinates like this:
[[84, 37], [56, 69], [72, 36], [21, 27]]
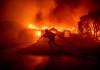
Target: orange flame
[[61, 29]]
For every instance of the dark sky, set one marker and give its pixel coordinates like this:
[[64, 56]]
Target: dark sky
[[46, 12]]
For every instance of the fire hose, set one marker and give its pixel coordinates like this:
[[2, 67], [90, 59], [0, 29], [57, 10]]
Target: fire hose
[[72, 45], [67, 40]]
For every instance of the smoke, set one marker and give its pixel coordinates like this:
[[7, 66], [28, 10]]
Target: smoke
[[47, 12]]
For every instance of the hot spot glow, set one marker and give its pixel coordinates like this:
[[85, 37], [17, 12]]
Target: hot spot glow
[[53, 32], [38, 33]]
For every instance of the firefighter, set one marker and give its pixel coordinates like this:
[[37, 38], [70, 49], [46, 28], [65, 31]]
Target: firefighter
[[51, 36]]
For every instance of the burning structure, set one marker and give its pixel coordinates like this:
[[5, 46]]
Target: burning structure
[[22, 23], [58, 30], [38, 15]]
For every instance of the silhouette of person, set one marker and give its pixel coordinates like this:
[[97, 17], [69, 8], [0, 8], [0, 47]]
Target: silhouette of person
[[51, 36]]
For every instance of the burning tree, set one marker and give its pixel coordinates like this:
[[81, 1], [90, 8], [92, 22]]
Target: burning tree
[[89, 25]]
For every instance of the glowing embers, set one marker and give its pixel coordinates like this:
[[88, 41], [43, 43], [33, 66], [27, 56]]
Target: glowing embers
[[31, 26], [38, 33], [54, 32]]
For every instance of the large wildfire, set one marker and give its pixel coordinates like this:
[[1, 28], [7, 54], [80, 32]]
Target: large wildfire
[[59, 28], [46, 14], [37, 30]]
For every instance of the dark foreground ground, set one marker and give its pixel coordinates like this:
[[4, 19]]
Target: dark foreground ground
[[38, 56]]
